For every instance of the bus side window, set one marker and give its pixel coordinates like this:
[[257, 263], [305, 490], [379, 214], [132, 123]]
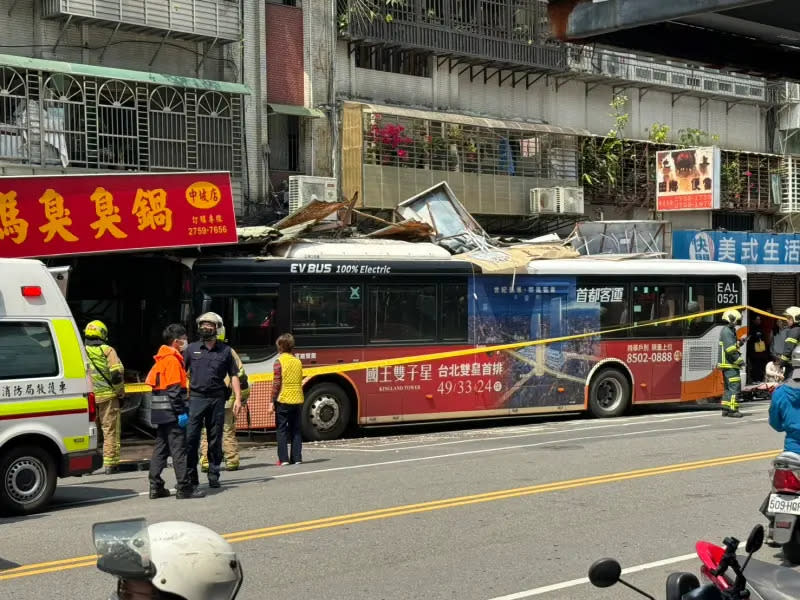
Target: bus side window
[[615, 311], [454, 312], [653, 302], [402, 314], [699, 298]]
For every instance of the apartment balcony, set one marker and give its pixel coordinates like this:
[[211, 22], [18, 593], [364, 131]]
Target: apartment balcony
[[218, 20], [74, 117], [495, 33]]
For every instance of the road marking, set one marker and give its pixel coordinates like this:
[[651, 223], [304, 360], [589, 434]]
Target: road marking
[[394, 446], [546, 589], [409, 509], [398, 461]]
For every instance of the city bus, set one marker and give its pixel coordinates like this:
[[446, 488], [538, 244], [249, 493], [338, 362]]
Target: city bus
[[344, 310]]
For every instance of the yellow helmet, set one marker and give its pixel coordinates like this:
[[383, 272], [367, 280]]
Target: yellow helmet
[[96, 329], [734, 317]]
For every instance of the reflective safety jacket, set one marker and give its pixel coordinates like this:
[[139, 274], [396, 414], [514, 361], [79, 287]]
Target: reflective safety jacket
[[243, 384], [169, 383], [729, 355], [106, 370], [287, 386], [792, 335]]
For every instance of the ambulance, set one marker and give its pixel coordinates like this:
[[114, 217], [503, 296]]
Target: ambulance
[[47, 408]]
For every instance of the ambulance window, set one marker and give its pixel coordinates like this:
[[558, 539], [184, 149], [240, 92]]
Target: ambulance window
[[26, 351]]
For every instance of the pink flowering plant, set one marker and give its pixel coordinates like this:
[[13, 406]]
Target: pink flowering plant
[[390, 142]]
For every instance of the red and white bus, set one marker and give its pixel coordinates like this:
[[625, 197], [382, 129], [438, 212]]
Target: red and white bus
[[345, 310]]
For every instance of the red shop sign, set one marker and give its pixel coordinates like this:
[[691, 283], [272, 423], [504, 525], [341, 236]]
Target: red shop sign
[[83, 214]]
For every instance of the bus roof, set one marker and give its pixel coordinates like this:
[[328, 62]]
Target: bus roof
[[641, 266]]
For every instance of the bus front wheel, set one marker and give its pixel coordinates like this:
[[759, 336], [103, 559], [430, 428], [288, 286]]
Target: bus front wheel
[[609, 393], [326, 412]]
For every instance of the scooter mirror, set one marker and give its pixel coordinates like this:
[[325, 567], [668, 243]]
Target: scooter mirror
[[604, 572], [755, 540]]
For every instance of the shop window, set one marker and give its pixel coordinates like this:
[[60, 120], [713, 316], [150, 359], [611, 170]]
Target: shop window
[[326, 309], [402, 314], [26, 351]]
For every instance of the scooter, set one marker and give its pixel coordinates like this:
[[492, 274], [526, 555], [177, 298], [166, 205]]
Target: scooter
[[782, 506], [764, 581]]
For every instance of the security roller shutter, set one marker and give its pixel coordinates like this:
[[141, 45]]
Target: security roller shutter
[[759, 281], [784, 292]]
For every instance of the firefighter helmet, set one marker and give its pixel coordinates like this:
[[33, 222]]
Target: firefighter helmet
[[732, 316], [96, 329], [793, 312], [212, 317]]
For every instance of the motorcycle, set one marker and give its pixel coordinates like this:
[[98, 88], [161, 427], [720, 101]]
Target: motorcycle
[[764, 581], [782, 506]]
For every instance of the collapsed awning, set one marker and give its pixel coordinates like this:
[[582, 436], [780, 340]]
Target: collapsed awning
[[462, 119], [295, 111]]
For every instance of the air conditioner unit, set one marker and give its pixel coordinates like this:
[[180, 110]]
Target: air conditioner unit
[[544, 201], [570, 200], [303, 189]]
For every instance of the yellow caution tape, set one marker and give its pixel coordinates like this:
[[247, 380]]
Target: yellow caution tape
[[404, 360]]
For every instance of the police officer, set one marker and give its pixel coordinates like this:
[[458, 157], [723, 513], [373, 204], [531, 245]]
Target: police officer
[[792, 335], [730, 363], [230, 445], [208, 362], [106, 371]]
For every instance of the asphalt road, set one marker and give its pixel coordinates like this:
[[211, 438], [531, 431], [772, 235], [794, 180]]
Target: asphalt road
[[515, 510]]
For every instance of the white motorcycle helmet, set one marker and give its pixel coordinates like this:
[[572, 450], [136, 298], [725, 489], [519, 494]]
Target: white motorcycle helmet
[[183, 559], [212, 317]]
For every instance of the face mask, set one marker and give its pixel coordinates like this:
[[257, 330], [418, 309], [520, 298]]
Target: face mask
[[182, 345], [208, 333]]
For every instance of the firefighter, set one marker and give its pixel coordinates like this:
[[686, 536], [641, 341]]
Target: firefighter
[[792, 335], [106, 371], [230, 446], [730, 363]]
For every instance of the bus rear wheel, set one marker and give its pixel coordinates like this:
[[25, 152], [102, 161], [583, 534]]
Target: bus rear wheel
[[326, 412], [609, 393]]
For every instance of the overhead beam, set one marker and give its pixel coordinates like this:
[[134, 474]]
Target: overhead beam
[[576, 20]]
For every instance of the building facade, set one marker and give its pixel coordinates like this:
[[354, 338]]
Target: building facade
[[135, 85], [476, 93]]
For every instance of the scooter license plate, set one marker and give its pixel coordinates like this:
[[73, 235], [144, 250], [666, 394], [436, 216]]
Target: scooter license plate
[[784, 504]]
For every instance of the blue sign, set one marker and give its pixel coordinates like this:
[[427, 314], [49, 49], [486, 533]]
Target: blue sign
[[759, 251]]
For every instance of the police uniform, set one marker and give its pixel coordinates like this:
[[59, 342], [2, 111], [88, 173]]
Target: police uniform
[[208, 392], [106, 371], [230, 446], [730, 364]]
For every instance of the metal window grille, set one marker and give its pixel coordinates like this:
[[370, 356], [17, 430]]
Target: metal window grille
[[59, 119], [64, 119], [214, 133], [14, 138], [441, 146], [167, 129], [117, 126]]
